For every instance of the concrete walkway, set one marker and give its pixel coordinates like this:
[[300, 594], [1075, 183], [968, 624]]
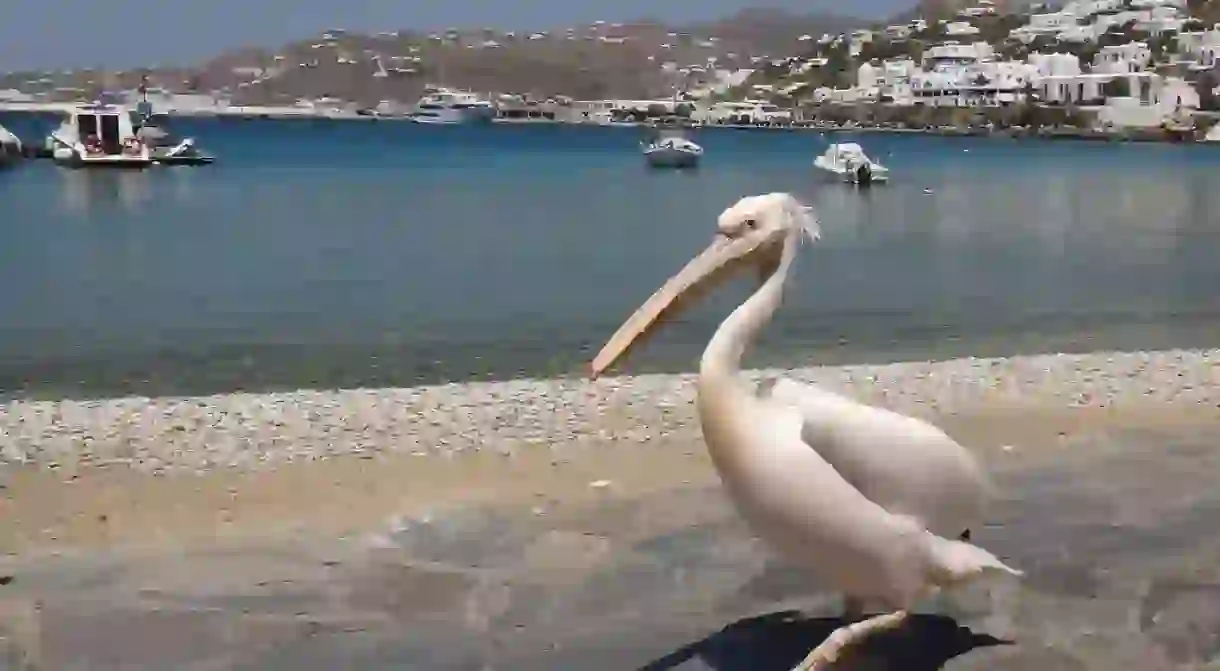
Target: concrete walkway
[[1119, 533]]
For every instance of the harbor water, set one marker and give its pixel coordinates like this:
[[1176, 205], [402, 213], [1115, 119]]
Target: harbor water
[[355, 254]]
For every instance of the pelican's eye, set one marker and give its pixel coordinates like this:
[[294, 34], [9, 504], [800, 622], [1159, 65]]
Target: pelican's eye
[[751, 223]]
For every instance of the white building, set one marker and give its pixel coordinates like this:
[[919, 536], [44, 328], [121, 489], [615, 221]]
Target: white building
[[952, 55], [1157, 100], [983, 8], [1122, 58], [1044, 24], [897, 33], [1155, 4], [960, 29], [743, 112], [1104, 22], [984, 83], [952, 74], [1089, 88], [1200, 48], [1162, 19], [1079, 34], [890, 81], [1054, 65], [859, 38], [1086, 8]]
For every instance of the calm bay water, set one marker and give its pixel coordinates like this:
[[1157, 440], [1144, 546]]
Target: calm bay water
[[326, 254]]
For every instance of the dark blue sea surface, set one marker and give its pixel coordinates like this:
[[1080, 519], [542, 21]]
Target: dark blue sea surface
[[343, 253]]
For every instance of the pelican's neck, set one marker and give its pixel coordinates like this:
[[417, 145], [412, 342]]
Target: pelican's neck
[[722, 358]]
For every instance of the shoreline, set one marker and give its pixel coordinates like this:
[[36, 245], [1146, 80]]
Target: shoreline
[[254, 431], [276, 113]]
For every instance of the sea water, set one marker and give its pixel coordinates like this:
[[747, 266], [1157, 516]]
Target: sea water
[[348, 253]]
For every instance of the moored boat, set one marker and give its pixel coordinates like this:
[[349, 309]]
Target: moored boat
[[848, 162], [98, 135], [670, 148]]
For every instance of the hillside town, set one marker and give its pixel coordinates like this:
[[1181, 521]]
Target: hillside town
[[1132, 63], [1107, 64]]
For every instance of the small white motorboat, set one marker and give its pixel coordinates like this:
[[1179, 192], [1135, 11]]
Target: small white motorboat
[[183, 153], [166, 148], [672, 149], [848, 162]]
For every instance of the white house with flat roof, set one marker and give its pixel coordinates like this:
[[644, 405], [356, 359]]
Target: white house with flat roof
[[1122, 58], [985, 83], [1051, 23], [961, 29], [1156, 101], [897, 33], [889, 81], [1162, 19], [1199, 48], [1060, 65], [983, 8], [953, 54], [859, 38]]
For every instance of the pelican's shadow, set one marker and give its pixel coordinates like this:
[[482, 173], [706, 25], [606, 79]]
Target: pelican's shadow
[[779, 641]]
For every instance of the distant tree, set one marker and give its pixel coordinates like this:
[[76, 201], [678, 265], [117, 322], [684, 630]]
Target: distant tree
[[877, 49], [1074, 116], [839, 70], [838, 56], [1013, 50], [995, 29], [1193, 26], [1027, 111], [1118, 87], [684, 110], [1115, 36], [1044, 43], [1160, 46], [772, 71], [1087, 53]]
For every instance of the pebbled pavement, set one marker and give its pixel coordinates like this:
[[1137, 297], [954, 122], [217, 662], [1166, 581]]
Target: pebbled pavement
[[1117, 531]]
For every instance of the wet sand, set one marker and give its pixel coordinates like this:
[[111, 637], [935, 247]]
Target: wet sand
[[605, 553]]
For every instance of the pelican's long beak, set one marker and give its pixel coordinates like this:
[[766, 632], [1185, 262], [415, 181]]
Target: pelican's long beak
[[709, 269]]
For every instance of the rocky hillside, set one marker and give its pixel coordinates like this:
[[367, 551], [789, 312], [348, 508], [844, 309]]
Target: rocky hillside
[[604, 60]]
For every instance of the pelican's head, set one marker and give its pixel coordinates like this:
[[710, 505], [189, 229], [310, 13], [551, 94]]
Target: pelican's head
[[753, 233]]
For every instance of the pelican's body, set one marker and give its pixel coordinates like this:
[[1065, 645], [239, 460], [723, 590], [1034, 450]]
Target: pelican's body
[[872, 501], [903, 464], [821, 478]]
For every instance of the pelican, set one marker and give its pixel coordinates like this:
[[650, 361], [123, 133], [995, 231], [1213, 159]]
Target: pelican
[[878, 504]]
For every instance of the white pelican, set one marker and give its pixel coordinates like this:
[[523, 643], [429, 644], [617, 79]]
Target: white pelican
[[877, 503]]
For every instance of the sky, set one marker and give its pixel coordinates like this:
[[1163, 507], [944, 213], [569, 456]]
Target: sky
[[53, 34]]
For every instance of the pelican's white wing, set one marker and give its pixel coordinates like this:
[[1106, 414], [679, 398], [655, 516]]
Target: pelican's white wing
[[903, 464], [800, 504]]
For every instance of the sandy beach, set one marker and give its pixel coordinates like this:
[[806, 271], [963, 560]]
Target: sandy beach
[[245, 492]]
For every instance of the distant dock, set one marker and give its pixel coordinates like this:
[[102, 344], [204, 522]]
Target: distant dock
[[253, 112]]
